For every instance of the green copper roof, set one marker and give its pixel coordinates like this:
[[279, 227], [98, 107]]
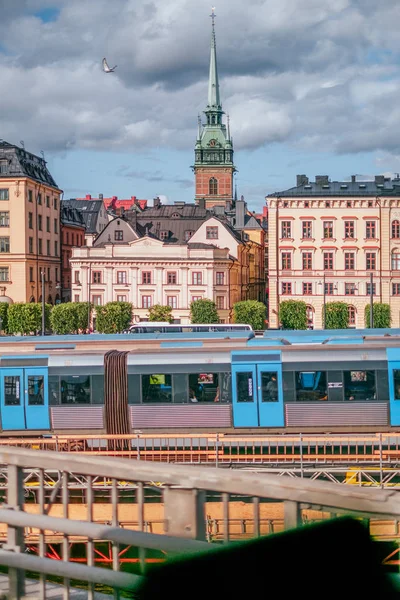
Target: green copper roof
[[213, 84]]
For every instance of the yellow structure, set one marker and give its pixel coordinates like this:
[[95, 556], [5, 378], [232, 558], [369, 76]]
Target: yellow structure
[[29, 227], [335, 241]]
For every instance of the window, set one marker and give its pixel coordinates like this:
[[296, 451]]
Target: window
[[171, 277], [195, 298], [48, 274], [368, 289], [76, 298], [212, 233], [328, 229], [75, 389], [40, 246], [349, 229], [213, 187], [146, 277], [396, 260], [220, 278], [396, 289], [306, 230], [55, 226], [359, 385], [72, 239], [311, 386], [286, 260], [30, 220], [4, 218], [30, 245], [146, 301], [39, 198], [172, 301], [349, 261], [307, 289], [370, 261], [306, 204], [286, 229], [121, 277], [118, 235], [164, 234], [370, 230], [350, 289], [348, 202], [48, 201], [327, 204], [205, 387], [351, 311], [5, 274], [307, 261], [396, 229], [329, 289], [188, 235], [40, 222], [96, 277], [96, 300], [245, 387], [30, 196], [121, 298], [220, 302], [31, 274], [286, 288], [57, 280], [197, 278], [3, 194], [55, 248], [48, 247], [55, 203], [328, 261], [157, 388], [48, 224]]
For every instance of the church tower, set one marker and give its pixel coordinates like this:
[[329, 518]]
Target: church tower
[[213, 167]]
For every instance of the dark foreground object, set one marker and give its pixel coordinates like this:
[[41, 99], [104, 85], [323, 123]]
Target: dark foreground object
[[334, 559]]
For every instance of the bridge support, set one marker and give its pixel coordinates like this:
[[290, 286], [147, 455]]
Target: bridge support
[[292, 514], [184, 513]]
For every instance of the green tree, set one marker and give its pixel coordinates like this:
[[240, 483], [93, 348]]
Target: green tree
[[161, 313], [293, 314], [250, 312], [113, 317], [4, 316], [381, 314], [66, 318], [27, 318], [83, 315], [203, 311], [336, 315]]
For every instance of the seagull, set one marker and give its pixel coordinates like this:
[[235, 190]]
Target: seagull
[[106, 68]]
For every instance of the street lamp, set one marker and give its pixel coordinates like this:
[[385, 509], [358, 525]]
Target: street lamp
[[324, 301]]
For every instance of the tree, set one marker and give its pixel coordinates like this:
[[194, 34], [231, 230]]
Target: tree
[[4, 316], [336, 315], [203, 311], [113, 317], [250, 312], [70, 317], [293, 314], [27, 318], [381, 314], [83, 315], [161, 313]]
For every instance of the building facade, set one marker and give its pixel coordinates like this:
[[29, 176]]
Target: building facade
[[72, 234], [335, 241], [29, 227]]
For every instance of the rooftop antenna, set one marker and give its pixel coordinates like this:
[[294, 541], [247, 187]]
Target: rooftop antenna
[[22, 144], [213, 15], [42, 153]]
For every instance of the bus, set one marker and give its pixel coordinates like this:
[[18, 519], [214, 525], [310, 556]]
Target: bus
[[159, 327]]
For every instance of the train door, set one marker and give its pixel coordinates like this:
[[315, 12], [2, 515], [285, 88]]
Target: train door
[[24, 399], [257, 390]]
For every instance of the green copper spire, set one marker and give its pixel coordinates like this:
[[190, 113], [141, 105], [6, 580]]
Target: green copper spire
[[213, 84]]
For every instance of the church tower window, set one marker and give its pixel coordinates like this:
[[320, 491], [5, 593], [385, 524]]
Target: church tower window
[[213, 187]]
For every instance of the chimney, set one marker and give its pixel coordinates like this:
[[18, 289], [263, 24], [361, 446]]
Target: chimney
[[322, 179], [88, 197], [156, 202], [133, 218], [240, 211], [379, 179], [100, 196], [202, 203], [353, 178], [134, 200], [301, 180]]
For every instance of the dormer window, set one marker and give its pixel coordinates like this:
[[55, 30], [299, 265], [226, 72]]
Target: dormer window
[[175, 215], [118, 235], [188, 235], [212, 233], [164, 234]]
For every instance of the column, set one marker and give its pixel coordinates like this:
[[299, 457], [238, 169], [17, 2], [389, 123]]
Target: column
[[184, 300], [83, 277], [159, 281], [109, 284], [134, 287], [210, 283]]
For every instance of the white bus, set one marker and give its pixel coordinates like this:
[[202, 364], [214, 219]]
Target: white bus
[[155, 327]]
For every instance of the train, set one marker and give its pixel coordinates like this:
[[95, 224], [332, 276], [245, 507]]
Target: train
[[229, 381]]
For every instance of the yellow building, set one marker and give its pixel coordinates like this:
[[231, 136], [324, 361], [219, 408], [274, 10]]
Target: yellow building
[[335, 241], [29, 227]]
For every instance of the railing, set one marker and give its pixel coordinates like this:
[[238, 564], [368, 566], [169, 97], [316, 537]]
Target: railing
[[182, 506]]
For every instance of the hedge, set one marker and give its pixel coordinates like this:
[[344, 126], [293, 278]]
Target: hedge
[[250, 312]]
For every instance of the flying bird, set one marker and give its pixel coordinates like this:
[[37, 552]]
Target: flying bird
[[106, 68]]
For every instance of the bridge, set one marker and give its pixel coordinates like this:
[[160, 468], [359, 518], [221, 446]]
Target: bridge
[[186, 499]]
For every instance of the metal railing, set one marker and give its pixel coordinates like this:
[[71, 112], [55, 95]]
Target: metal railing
[[182, 507]]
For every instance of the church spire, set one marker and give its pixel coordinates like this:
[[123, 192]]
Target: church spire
[[213, 84]]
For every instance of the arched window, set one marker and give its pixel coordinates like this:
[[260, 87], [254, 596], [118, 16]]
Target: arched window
[[213, 187], [310, 316], [49, 300], [32, 299], [396, 260], [351, 311], [396, 229]]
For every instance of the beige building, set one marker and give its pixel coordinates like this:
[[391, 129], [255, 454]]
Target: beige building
[[29, 227], [331, 241]]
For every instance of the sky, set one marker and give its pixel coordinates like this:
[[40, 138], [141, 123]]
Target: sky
[[310, 86]]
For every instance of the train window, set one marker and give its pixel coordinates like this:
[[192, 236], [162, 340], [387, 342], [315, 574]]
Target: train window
[[133, 389], [245, 388], [269, 386], [97, 389], [359, 385], [311, 386], [157, 388], [396, 380], [54, 389], [35, 390], [12, 390], [225, 387], [75, 389], [204, 387]]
